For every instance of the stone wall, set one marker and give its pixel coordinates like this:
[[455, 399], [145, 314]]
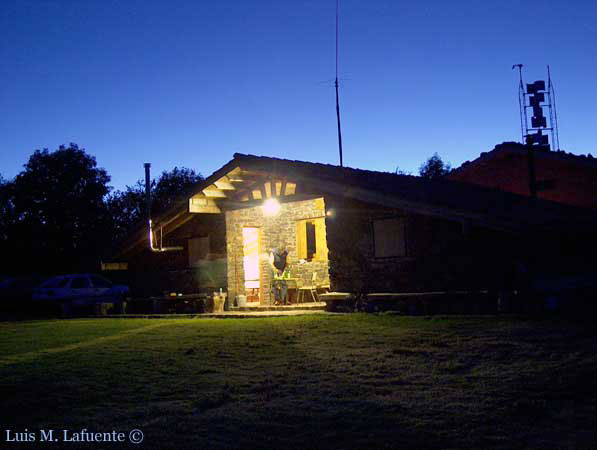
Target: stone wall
[[440, 254], [279, 228]]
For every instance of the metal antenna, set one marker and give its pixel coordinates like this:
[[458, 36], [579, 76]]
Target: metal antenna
[[521, 102], [555, 134], [337, 96]]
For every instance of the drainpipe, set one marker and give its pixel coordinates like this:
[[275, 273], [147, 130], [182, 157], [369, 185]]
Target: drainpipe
[[148, 204]]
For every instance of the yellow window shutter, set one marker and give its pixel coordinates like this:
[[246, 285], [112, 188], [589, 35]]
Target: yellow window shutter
[[320, 238], [301, 239]]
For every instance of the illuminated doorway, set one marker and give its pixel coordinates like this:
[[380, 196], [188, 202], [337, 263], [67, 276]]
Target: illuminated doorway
[[251, 263]]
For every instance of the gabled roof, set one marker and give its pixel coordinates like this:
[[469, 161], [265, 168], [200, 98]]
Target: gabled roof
[[449, 199]]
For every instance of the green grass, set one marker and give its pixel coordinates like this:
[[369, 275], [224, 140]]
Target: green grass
[[309, 382]]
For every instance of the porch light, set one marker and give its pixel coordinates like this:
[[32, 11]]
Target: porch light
[[271, 207]]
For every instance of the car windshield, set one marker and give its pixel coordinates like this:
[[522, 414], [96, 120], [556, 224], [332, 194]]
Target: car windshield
[[80, 283], [62, 283], [54, 282]]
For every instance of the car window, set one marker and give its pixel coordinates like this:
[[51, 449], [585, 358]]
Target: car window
[[62, 283], [53, 282], [80, 283], [100, 282]]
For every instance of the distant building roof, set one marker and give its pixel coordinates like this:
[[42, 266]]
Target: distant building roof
[[565, 177], [516, 147]]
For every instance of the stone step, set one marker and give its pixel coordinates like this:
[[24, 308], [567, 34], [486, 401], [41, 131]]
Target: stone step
[[318, 306]]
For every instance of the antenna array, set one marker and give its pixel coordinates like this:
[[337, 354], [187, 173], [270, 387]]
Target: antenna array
[[534, 99]]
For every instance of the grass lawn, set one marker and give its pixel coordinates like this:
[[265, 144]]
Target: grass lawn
[[306, 382]]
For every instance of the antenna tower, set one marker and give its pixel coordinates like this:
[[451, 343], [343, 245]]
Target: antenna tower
[[336, 85], [534, 99]]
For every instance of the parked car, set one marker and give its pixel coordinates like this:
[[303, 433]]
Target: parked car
[[80, 289]]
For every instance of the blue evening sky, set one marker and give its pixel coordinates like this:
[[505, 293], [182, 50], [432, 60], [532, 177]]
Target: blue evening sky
[[181, 83]]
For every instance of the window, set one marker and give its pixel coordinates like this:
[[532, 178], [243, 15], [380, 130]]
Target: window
[[80, 283], [62, 283], [311, 240], [389, 237], [52, 282]]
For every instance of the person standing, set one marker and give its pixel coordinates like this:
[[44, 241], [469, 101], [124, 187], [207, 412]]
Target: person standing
[[278, 260]]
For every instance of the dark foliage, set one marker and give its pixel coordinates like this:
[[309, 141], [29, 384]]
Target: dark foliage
[[56, 215], [434, 168], [128, 209], [6, 208]]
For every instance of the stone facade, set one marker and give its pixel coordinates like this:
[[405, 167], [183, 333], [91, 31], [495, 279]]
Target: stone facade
[[440, 254], [281, 227]]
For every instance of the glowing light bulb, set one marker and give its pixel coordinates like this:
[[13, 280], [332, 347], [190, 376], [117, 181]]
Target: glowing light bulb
[[271, 207]]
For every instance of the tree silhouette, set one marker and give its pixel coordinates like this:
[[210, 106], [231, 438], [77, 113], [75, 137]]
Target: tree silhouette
[[59, 218], [58, 214], [128, 209], [6, 209], [434, 168]]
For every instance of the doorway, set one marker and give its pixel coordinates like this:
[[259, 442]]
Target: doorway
[[251, 264]]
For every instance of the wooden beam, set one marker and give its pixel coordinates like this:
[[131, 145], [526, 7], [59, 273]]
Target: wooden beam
[[204, 209], [283, 188], [214, 192], [203, 205], [235, 175], [224, 184]]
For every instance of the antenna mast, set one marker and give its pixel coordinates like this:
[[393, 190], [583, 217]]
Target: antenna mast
[[535, 97], [521, 103], [337, 96], [553, 112]]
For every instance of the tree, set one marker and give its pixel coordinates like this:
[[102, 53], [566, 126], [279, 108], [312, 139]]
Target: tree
[[172, 187], [6, 209], [434, 168], [60, 221], [128, 208]]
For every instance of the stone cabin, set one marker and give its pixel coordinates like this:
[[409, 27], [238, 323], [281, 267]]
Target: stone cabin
[[352, 230]]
